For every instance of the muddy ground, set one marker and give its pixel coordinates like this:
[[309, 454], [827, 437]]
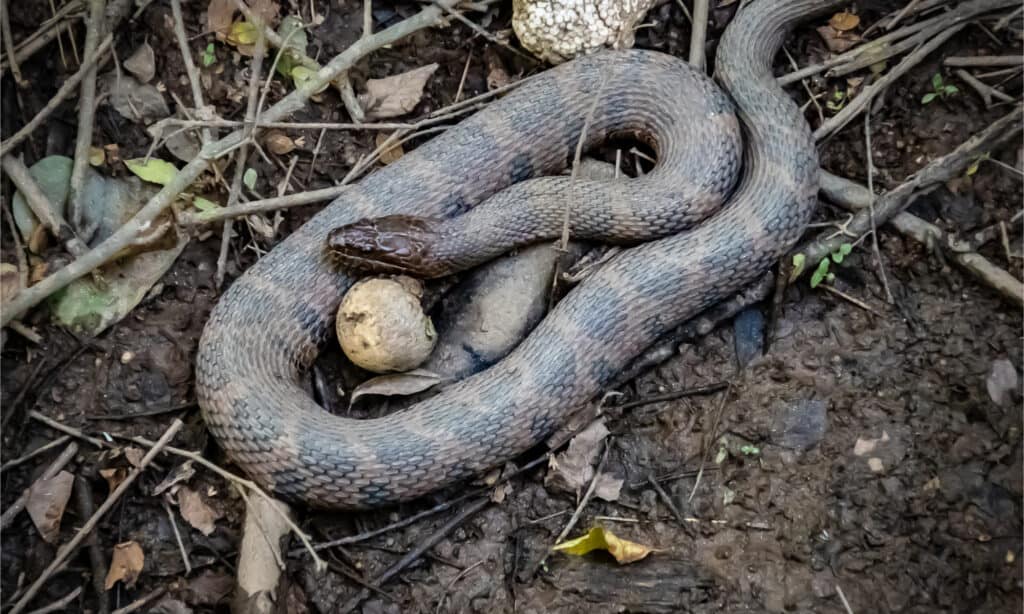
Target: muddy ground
[[899, 487]]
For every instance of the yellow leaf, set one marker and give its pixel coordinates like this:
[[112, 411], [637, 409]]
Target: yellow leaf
[[844, 21], [600, 538], [97, 156], [154, 170], [242, 33]]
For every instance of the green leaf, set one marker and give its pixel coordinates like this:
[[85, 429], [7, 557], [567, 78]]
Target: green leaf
[[204, 205], [846, 248], [799, 260], [301, 74], [209, 55], [154, 170], [937, 81], [820, 273], [952, 89], [930, 96], [750, 450], [249, 178], [831, 277], [843, 251]]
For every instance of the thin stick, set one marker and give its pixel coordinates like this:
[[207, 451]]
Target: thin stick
[[699, 34], [851, 299], [367, 18], [484, 33], [677, 394], [5, 31], [87, 507], [65, 90], [228, 123], [86, 112], [986, 91], [177, 538], [27, 49], [190, 65], [60, 604], [903, 13], [984, 60], [667, 500], [52, 470], [939, 170], [41, 206], [67, 549], [418, 551], [141, 602], [156, 205], [34, 453], [707, 449], [448, 589], [842, 597], [59, 426], [871, 209]]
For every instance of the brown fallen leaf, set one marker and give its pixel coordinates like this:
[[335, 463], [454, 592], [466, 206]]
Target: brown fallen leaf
[[599, 538], [125, 565], [114, 476], [209, 589], [134, 455], [608, 487], [181, 473], [395, 95], [219, 16], [279, 142], [390, 154], [196, 511], [836, 40], [46, 502], [497, 75], [142, 63], [10, 281], [573, 469], [844, 21]]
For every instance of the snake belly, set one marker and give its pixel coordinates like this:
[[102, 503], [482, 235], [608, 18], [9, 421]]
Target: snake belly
[[267, 328]]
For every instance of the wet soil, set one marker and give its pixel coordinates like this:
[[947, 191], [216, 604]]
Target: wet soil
[[862, 458]]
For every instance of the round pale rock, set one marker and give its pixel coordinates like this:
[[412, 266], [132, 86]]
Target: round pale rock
[[559, 30], [381, 325]]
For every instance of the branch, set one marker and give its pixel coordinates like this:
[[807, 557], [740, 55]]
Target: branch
[[156, 205]]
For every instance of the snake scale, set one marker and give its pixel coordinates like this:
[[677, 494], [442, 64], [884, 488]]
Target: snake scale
[[268, 327]]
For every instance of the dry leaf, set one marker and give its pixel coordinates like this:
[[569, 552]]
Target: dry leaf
[[209, 589], [142, 63], [219, 15], [167, 605], [196, 511], [844, 21], [390, 154], [1001, 382], [600, 538], [608, 487], [114, 476], [836, 41], [134, 455], [10, 281], [181, 473], [573, 469], [279, 142], [125, 565], [397, 384], [395, 95], [46, 502]]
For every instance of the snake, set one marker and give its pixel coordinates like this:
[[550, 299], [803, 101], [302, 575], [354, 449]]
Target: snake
[[734, 186]]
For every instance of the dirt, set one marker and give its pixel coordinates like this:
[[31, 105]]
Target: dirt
[[862, 459]]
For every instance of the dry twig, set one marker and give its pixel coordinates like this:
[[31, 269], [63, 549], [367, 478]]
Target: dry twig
[[86, 114], [698, 34], [41, 206], [52, 470]]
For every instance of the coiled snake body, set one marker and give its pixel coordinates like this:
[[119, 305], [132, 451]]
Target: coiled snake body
[[267, 328]]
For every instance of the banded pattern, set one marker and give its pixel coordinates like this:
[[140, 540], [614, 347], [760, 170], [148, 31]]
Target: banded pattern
[[267, 328]]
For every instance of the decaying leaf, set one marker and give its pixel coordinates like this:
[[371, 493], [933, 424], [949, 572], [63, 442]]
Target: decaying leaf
[[114, 476], [153, 170], [397, 384], [599, 538], [181, 473], [196, 511], [169, 605], [209, 588], [390, 154], [46, 502], [395, 95], [573, 469], [134, 455], [242, 33], [142, 63], [844, 21], [134, 100], [608, 487], [219, 15], [10, 281], [97, 156], [125, 565], [837, 41], [279, 142]]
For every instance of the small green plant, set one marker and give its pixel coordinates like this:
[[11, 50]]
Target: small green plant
[[973, 168], [209, 55], [939, 90], [750, 450], [822, 273], [836, 101]]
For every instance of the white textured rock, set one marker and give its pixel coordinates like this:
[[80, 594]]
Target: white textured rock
[[559, 30]]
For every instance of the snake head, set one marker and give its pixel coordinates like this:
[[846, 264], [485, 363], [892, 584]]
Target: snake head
[[394, 244]]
